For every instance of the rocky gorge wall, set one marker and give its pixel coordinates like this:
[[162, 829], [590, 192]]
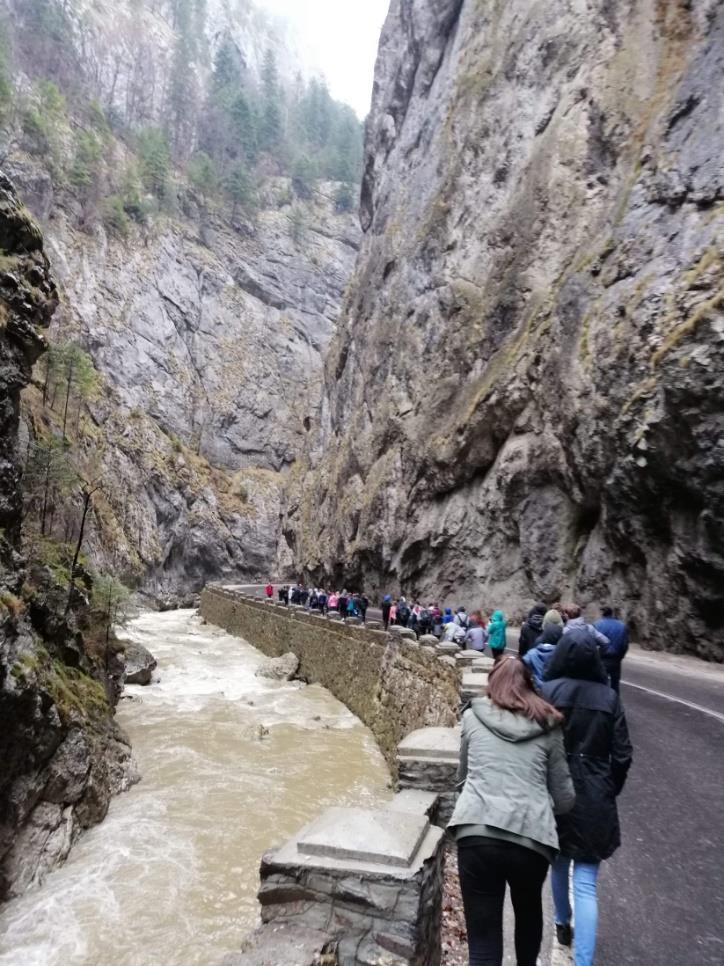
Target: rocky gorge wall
[[525, 394], [393, 686], [207, 326], [63, 756]]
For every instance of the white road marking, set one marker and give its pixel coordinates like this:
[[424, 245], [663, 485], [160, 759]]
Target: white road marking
[[671, 697]]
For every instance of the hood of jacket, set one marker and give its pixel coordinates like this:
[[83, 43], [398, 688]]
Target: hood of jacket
[[498, 617], [576, 656], [505, 724], [535, 622], [552, 633]]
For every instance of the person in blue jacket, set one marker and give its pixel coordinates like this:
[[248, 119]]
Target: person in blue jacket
[[615, 651], [538, 657]]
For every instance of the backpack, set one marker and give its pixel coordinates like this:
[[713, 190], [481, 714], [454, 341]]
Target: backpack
[[403, 612]]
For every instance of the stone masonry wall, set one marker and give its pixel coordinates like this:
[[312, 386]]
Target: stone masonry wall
[[393, 686]]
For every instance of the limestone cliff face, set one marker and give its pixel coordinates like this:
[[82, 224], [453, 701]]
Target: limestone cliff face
[[208, 329], [210, 341], [525, 395], [62, 755]]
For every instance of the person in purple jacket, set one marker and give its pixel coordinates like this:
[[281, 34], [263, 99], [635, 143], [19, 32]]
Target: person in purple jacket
[[615, 651]]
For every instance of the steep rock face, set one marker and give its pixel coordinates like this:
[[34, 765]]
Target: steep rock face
[[62, 755], [211, 352], [525, 396], [207, 328]]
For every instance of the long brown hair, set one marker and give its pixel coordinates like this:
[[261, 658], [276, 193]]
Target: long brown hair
[[510, 686]]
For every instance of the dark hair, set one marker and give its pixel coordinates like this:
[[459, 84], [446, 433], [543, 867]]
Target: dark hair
[[607, 611], [510, 686], [573, 611]]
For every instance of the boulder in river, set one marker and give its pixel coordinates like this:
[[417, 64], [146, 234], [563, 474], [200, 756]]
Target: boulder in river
[[140, 663], [282, 668]]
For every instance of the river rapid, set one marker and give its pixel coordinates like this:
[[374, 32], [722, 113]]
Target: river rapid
[[232, 764]]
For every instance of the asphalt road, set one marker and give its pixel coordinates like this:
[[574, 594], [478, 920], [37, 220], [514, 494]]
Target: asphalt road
[[661, 896], [662, 893]]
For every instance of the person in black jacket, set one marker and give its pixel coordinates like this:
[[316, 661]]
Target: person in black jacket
[[531, 630], [599, 757]]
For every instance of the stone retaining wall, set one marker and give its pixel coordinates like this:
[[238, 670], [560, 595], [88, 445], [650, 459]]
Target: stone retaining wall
[[393, 685]]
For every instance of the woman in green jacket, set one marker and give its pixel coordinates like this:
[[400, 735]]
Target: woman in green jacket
[[513, 775], [496, 634]]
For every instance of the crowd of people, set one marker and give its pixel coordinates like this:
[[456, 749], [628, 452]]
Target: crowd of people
[[544, 756], [316, 599]]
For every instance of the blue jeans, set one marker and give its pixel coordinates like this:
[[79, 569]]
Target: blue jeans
[[585, 904]]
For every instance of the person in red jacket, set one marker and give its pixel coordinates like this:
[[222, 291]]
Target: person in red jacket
[[269, 591]]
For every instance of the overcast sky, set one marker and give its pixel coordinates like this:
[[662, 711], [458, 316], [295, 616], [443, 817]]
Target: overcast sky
[[340, 37]]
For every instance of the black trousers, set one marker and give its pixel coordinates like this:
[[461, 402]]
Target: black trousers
[[486, 866], [614, 676]]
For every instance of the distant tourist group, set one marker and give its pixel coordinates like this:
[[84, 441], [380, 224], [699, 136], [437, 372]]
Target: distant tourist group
[[544, 756], [316, 599]]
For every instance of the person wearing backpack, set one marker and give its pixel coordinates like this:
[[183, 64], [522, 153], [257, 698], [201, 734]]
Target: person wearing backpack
[[424, 621], [403, 612], [531, 629], [461, 618]]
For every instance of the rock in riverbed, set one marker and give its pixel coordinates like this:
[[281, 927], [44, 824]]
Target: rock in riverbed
[[140, 663], [282, 668]]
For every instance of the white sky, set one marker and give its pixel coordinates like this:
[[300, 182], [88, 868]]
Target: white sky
[[340, 37]]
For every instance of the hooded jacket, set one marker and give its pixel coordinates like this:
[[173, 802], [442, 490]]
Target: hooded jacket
[[597, 745], [512, 775], [530, 631], [496, 632], [537, 658], [579, 623]]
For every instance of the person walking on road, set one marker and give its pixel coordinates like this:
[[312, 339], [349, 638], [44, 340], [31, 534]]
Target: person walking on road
[[512, 776], [496, 634], [552, 616], [461, 618], [477, 636], [576, 620], [617, 634], [402, 613], [537, 657], [531, 629], [269, 591], [386, 608], [599, 756]]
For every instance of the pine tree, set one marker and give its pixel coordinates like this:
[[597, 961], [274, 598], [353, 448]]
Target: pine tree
[[155, 159], [240, 189], [271, 121], [203, 175], [244, 126], [226, 77], [49, 476]]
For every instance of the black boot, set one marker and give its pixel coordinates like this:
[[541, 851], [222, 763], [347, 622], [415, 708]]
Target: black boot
[[564, 934]]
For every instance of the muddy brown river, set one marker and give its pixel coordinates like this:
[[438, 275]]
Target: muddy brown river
[[232, 764]]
